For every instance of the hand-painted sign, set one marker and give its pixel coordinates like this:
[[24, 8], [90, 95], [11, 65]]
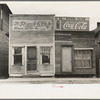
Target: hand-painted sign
[[72, 23], [31, 25]]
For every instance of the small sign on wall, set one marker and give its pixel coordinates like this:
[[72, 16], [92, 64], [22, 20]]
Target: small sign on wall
[[31, 25], [72, 23]]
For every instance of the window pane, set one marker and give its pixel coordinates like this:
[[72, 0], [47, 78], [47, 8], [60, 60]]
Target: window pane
[[78, 63], [31, 53], [18, 59], [45, 52], [87, 55], [78, 54], [86, 63], [45, 59], [18, 50], [83, 58]]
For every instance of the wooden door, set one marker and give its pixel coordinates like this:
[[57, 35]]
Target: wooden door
[[66, 59], [31, 58]]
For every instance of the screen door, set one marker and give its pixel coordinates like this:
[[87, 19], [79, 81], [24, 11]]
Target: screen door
[[31, 58]]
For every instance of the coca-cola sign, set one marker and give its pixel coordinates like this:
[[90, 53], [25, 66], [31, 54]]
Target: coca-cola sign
[[72, 24]]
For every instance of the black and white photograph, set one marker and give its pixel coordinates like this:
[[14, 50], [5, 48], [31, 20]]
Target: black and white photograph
[[50, 49]]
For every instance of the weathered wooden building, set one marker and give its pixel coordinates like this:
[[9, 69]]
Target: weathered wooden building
[[31, 48], [45, 45], [97, 49], [74, 47], [4, 41]]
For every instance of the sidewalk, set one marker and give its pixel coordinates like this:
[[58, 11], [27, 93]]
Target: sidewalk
[[51, 80]]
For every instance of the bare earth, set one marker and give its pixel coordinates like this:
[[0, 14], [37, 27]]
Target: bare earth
[[52, 80]]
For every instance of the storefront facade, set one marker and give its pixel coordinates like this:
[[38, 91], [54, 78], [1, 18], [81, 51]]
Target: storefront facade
[[45, 45], [31, 45], [74, 47]]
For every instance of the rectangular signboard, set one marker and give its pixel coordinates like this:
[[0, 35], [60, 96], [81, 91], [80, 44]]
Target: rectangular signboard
[[72, 23], [31, 25]]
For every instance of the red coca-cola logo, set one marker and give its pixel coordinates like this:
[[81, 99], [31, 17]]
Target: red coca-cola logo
[[75, 25]]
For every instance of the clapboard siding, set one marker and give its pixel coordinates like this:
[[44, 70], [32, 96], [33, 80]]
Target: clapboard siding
[[78, 40], [3, 54], [4, 40], [85, 71], [83, 43], [5, 17], [97, 49]]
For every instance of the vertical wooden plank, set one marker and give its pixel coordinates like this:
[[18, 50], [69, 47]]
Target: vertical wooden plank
[[25, 59], [12, 56], [23, 56], [51, 56], [41, 49], [66, 59]]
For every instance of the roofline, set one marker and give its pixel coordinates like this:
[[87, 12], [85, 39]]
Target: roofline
[[71, 17], [10, 12], [32, 14]]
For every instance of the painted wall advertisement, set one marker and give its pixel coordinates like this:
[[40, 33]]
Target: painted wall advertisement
[[72, 23], [31, 25]]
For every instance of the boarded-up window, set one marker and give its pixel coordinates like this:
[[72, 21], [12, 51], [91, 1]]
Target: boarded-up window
[[83, 58], [45, 54]]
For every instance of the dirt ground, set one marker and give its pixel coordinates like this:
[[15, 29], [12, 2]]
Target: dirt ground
[[52, 80]]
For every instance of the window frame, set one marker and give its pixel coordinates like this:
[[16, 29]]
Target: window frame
[[51, 55], [82, 60], [22, 53], [17, 55]]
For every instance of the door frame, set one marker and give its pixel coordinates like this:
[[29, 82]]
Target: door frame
[[34, 71], [72, 58], [38, 57]]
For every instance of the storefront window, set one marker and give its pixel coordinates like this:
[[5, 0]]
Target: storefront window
[[17, 56], [45, 54], [83, 58]]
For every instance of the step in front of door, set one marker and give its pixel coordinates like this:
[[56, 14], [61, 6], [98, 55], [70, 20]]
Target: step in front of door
[[31, 76]]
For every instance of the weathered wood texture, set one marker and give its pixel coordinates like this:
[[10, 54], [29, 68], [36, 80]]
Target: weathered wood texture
[[31, 37], [79, 40], [4, 41], [3, 54], [97, 51], [66, 59], [26, 37]]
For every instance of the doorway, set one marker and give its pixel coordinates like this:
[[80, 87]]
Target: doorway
[[66, 59], [31, 59]]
